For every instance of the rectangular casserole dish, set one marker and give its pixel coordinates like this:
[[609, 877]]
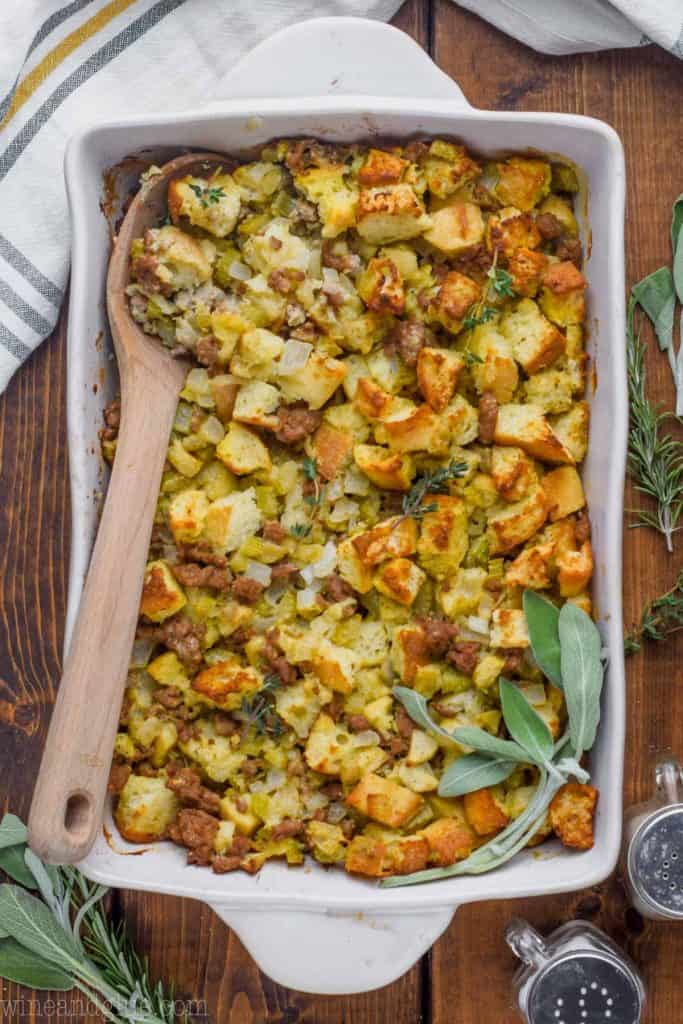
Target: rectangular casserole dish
[[349, 79]]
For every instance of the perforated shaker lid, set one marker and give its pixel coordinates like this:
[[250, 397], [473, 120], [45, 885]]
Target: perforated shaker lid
[[655, 861], [585, 987]]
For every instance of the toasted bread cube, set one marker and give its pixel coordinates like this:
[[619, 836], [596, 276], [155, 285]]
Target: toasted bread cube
[[572, 812], [526, 269], [511, 229], [332, 449], [517, 523], [366, 856], [243, 451], [400, 579], [326, 746], [450, 840], [497, 372], [456, 228], [168, 670], [256, 354], [484, 811], [562, 211], [553, 390], [380, 286], [530, 568], [390, 214], [358, 761], [256, 403], [575, 569], [392, 471], [384, 800], [562, 297], [181, 460], [336, 200], [334, 666], [417, 428], [381, 168], [172, 260], [462, 421], [353, 568], [536, 343], [226, 682], [461, 592], [316, 382], [145, 809], [422, 748], [514, 473], [487, 671], [371, 400], [572, 430], [448, 167], [187, 513], [443, 539], [408, 652], [162, 595], [454, 299], [407, 855], [509, 628], [564, 492], [421, 778], [231, 520], [438, 370], [212, 204], [393, 538], [245, 821], [328, 842], [526, 427], [523, 182]]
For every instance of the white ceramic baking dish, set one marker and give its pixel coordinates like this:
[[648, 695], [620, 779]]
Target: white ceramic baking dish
[[342, 79]]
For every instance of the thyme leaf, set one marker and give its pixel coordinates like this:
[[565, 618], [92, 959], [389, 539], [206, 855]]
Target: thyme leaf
[[659, 619], [431, 483], [501, 282], [476, 316], [209, 195], [300, 529], [257, 709]]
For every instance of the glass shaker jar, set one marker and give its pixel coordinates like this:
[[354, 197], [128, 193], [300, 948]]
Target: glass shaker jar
[[577, 975], [653, 848]]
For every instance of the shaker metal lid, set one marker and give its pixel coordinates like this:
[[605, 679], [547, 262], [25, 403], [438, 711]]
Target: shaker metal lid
[[655, 861], [585, 987]]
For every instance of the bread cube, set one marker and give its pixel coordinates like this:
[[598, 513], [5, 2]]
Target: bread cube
[[450, 840], [484, 811], [536, 343], [335, 198], [146, 807], [408, 652], [572, 812], [226, 682], [456, 228], [245, 821], [511, 229], [438, 370], [531, 568], [334, 666], [461, 420], [563, 294], [380, 286], [393, 538], [212, 204], [371, 400], [509, 628], [575, 569], [358, 761], [422, 748], [256, 404], [316, 382], [353, 568], [384, 800], [390, 214], [553, 390], [571, 428], [328, 842], [168, 670], [443, 538], [392, 471], [400, 579], [162, 595], [332, 449], [564, 492], [172, 260], [487, 671], [513, 473], [231, 520], [517, 523], [421, 778], [414, 428], [522, 182], [381, 168], [461, 592], [497, 371], [526, 427], [187, 513], [526, 269], [454, 299], [366, 855], [243, 451], [326, 745], [299, 703], [448, 167]]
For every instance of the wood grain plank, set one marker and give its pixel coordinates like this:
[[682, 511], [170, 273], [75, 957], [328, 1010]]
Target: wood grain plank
[[638, 92]]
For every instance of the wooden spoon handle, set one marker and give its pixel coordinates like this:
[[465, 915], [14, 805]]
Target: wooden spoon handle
[[68, 799]]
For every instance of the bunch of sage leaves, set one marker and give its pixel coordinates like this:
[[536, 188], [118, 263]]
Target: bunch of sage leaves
[[566, 646], [54, 935]]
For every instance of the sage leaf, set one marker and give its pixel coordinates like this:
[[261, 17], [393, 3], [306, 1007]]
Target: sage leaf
[[677, 245], [26, 968], [541, 619], [524, 725], [417, 708], [485, 743], [33, 926], [582, 672], [12, 863], [12, 831], [474, 771], [656, 296]]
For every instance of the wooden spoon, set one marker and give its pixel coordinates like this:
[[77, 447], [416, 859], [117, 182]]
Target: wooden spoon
[[68, 799]]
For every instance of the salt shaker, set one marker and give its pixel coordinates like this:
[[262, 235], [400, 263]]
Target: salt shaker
[[653, 848], [577, 975]]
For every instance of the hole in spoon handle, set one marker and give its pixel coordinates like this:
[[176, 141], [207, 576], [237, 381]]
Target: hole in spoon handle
[[78, 816]]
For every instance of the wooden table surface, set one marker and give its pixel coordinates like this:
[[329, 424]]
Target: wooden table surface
[[466, 977]]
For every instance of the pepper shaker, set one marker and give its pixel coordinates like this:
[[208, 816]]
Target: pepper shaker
[[577, 975], [653, 848]]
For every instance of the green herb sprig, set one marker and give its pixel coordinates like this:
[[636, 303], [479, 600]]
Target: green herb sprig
[[300, 530], [208, 195], [310, 471], [257, 711], [659, 619], [501, 282], [57, 936], [478, 315], [430, 483], [564, 637]]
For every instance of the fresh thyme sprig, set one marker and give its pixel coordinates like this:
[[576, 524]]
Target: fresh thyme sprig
[[501, 282], [257, 710], [310, 469], [430, 483], [471, 358], [659, 619], [207, 196], [478, 315], [655, 459], [300, 529]]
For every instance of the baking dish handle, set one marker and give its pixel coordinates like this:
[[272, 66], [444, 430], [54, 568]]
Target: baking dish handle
[[337, 57], [335, 953]]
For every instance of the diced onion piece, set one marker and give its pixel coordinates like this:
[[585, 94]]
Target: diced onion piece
[[294, 357], [334, 490], [367, 738], [307, 574], [344, 509], [336, 812], [275, 591], [240, 271], [307, 600], [259, 572], [356, 482], [478, 625], [327, 561], [142, 651], [212, 430]]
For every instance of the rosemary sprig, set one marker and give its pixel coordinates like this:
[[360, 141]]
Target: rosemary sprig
[[659, 619], [430, 483], [207, 196], [257, 710], [655, 459]]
